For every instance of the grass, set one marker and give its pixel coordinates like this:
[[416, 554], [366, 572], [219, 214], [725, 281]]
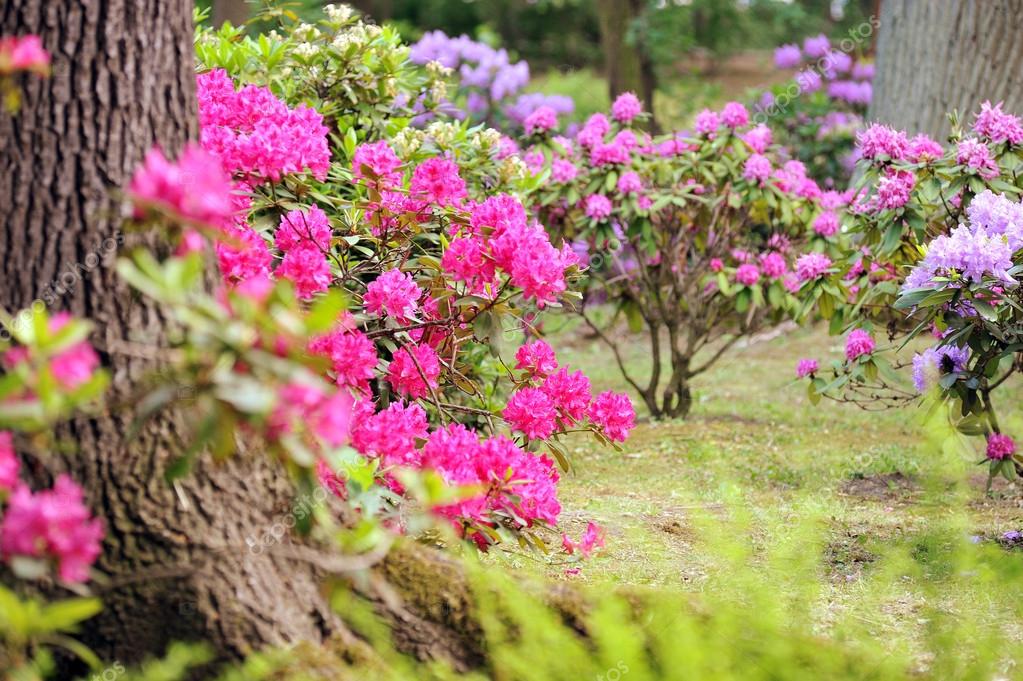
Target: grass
[[752, 458]]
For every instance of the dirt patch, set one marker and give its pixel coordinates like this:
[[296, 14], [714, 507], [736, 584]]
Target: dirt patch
[[884, 487]]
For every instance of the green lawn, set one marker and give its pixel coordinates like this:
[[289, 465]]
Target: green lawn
[[755, 460]]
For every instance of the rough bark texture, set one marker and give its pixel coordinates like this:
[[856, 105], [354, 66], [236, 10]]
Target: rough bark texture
[[179, 564], [628, 68], [933, 57], [235, 11]]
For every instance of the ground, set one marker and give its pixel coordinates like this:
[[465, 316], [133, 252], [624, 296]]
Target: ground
[[756, 447]]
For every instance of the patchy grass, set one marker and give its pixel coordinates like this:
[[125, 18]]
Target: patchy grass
[[752, 458]]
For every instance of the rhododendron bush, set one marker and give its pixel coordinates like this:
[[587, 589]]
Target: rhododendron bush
[[934, 251], [702, 238], [817, 113], [363, 295]]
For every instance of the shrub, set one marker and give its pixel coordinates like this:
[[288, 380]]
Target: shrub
[[935, 249], [701, 239]]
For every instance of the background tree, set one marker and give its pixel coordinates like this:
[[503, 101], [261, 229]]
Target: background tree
[[921, 69], [627, 65]]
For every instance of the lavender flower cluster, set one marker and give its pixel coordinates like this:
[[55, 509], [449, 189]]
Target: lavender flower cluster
[[489, 80], [848, 80], [982, 248]]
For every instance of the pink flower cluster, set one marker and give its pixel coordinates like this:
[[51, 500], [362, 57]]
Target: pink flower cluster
[[812, 266], [858, 343], [806, 367], [501, 238], [255, 135], [626, 107], [195, 188], [352, 354], [414, 370], [554, 398], [394, 293], [998, 126], [1000, 447], [71, 367], [437, 180], [543, 119], [23, 53], [52, 524], [880, 142], [382, 164]]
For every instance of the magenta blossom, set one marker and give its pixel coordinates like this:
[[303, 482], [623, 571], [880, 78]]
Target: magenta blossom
[[806, 367], [858, 343], [1000, 447]]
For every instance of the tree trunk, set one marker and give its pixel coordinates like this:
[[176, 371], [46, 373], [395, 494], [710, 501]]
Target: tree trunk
[[933, 57], [234, 11], [627, 65], [185, 562]]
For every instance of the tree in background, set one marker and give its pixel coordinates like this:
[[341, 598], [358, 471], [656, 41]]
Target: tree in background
[[626, 63], [921, 70]]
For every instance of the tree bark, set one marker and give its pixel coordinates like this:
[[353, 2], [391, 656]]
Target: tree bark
[[627, 66], [234, 11], [177, 558], [933, 57]]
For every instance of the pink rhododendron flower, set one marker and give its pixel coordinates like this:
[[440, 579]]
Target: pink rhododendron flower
[[71, 368], [194, 188], [826, 224], [255, 135], [734, 115], [499, 214], [706, 123], [757, 168], [894, 189], [1000, 447], [882, 141], [9, 464], [379, 159], [975, 154], [747, 274], [243, 255], [626, 107], [23, 53], [394, 293], [300, 405], [563, 170], [334, 482], [716, 265], [543, 119], [858, 343], [613, 414], [413, 373], [630, 183], [812, 266], [773, 264], [466, 259], [788, 56], [816, 46], [437, 180], [307, 268], [592, 539], [994, 124], [52, 524], [537, 359], [593, 130], [390, 434], [570, 393], [758, 138], [352, 354], [806, 367], [598, 206], [602, 154], [922, 148], [303, 227], [532, 412]]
